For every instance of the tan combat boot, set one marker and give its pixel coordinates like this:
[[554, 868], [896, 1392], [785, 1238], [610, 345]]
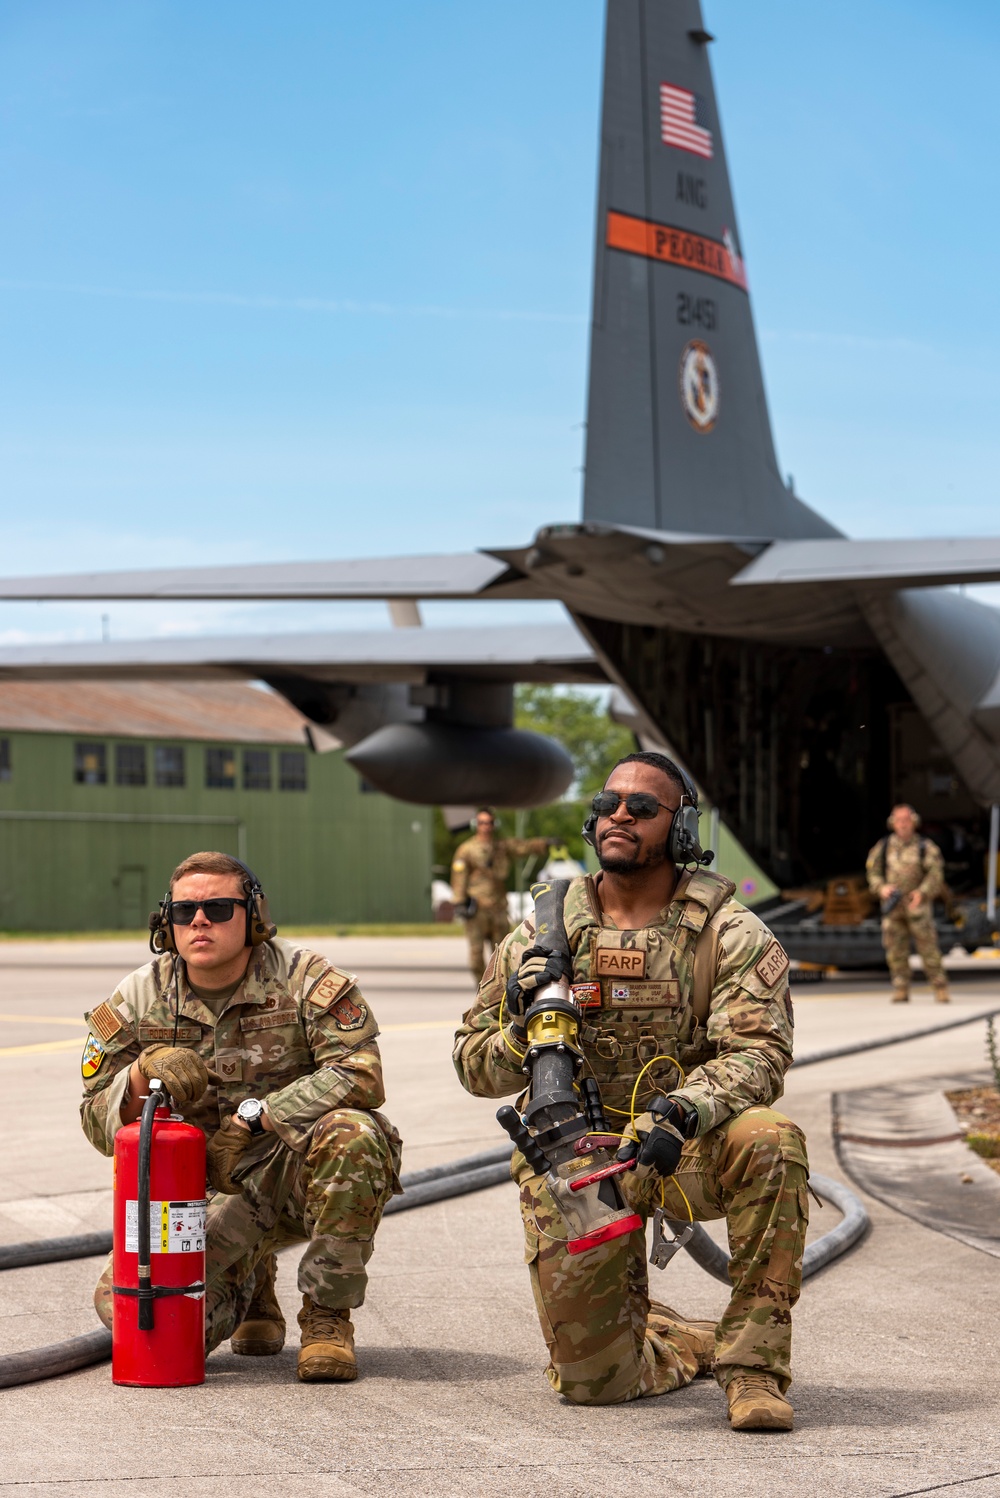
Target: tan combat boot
[[262, 1330], [900, 995], [698, 1335], [941, 994], [327, 1351], [756, 1402]]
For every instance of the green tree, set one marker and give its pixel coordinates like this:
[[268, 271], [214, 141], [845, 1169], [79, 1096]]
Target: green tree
[[579, 720]]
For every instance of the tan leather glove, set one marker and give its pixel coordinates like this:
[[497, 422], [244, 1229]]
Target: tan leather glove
[[224, 1151], [181, 1070]]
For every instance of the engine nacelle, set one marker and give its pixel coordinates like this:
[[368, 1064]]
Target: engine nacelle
[[449, 764]]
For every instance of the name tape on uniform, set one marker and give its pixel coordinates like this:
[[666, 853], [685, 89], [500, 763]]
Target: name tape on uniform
[[651, 995], [773, 965], [620, 962]]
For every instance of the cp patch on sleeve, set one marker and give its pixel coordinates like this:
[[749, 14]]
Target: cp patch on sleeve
[[347, 1015], [773, 965], [93, 1055], [106, 1021], [329, 987]]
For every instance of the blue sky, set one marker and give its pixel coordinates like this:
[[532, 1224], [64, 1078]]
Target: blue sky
[[314, 280]]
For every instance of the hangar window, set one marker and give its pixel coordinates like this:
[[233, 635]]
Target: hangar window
[[220, 769], [4, 759], [256, 770], [292, 770], [168, 764], [130, 764], [90, 764]]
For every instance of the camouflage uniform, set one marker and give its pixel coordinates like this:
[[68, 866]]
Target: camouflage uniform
[[479, 871], [748, 1163], [299, 1033], [910, 865]]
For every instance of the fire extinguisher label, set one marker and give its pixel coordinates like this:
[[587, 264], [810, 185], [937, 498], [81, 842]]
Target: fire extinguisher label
[[174, 1227]]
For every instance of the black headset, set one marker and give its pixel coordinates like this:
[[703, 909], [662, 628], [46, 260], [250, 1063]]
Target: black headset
[[259, 928], [683, 844]]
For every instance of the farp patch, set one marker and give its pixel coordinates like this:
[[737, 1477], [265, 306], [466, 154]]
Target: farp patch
[[773, 965], [347, 1015], [93, 1055]]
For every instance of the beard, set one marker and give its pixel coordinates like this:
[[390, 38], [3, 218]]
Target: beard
[[622, 861]]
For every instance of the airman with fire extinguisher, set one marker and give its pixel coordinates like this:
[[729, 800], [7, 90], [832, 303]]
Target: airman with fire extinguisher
[[272, 1052], [656, 969]]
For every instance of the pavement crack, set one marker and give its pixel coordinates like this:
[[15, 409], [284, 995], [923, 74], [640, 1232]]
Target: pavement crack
[[939, 1487]]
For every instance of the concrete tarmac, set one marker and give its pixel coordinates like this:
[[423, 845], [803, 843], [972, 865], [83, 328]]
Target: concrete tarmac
[[895, 1345]]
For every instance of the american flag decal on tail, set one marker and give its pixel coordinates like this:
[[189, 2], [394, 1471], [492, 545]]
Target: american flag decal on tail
[[682, 121]]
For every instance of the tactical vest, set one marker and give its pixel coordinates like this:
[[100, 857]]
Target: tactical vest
[[645, 994]]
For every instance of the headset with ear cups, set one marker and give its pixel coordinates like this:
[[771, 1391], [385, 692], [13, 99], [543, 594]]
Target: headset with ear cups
[[259, 925], [917, 819], [683, 844]]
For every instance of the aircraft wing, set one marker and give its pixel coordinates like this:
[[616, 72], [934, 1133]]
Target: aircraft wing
[[461, 575], [899, 563], [542, 653]]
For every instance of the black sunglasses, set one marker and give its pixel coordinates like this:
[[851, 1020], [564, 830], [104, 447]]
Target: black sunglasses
[[641, 804], [216, 911]]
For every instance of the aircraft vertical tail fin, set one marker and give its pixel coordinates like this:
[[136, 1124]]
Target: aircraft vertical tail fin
[[678, 433]]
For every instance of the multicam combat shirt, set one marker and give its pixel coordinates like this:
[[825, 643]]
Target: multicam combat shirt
[[481, 868], [636, 991], [297, 1032], [914, 864]]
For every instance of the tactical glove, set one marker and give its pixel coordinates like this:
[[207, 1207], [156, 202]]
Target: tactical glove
[[466, 909], [182, 1071], [223, 1154], [660, 1136], [536, 970]]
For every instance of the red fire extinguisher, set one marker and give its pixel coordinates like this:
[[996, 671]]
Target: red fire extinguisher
[[158, 1338]]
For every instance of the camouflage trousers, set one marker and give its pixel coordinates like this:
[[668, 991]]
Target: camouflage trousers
[[897, 931], [606, 1343], [333, 1196], [489, 924]]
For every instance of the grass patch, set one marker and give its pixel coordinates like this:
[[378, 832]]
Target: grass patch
[[399, 928], [978, 1112]]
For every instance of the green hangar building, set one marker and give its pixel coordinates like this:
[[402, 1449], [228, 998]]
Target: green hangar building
[[105, 787]]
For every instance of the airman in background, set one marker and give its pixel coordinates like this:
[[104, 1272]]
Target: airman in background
[[906, 873], [273, 1053], [687, 1028], [479, 874]]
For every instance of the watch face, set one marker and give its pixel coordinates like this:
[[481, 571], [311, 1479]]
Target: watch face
[[251, 1107]]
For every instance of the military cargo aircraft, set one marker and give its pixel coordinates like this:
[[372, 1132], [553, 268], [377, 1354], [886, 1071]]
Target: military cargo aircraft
[[808, 681]]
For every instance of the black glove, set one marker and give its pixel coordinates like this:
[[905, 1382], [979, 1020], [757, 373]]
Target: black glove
[[466, 909], [661, 1134], [536, 969]]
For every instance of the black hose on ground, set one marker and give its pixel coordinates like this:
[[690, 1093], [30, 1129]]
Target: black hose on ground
[[438, 1183]]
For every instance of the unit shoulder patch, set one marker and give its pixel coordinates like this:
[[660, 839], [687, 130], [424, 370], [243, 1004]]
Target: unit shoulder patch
[[348, 1015], [620, 962], [330, 987], [93, 1055], [106, 1020], [773, 965]]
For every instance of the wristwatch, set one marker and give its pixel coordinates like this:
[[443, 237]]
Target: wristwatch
[[250, 1111]]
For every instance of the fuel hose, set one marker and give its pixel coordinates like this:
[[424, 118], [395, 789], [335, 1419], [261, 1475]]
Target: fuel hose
[[440, 1183]]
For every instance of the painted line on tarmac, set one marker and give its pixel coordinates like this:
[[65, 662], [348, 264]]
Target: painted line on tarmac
[[427, 1024], [72, 1044]]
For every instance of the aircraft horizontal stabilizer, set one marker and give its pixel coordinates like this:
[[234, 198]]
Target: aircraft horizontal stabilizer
[[899, 563]]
